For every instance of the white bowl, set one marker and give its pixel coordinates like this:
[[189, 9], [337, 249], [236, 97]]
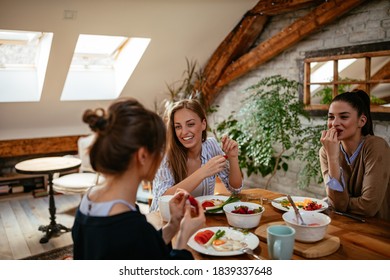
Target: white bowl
[[317, 225], [163, 205], [243, 220]]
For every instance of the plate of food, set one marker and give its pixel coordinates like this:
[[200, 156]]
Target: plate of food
[[214, 203], [303, 204], [222, 241]]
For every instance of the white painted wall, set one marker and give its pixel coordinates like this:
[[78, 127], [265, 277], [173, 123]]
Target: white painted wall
[[178, 29]]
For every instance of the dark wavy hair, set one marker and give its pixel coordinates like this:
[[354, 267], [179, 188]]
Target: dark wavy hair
[[360, 101], [121, 130]]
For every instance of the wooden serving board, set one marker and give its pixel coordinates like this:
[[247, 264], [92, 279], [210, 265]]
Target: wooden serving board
[[324, 247]]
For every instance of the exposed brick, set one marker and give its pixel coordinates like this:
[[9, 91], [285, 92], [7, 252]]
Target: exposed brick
[[385, 23], [368, 23]]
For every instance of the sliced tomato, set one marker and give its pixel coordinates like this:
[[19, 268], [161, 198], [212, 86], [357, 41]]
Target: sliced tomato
[[200, 238], [208, 233], [203, 236], [207, 203]]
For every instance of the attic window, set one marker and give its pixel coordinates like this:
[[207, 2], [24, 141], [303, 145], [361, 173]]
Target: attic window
[[101, 66], [23, 57]]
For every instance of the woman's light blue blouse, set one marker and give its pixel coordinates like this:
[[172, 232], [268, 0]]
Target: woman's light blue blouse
[[164, 178]]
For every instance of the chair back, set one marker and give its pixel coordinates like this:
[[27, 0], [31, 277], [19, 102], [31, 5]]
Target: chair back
[[83, 144]]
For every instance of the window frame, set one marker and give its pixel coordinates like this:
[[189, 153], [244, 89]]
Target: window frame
[[366, 52]]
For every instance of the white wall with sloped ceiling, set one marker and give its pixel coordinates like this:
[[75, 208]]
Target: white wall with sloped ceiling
[[179, 29]]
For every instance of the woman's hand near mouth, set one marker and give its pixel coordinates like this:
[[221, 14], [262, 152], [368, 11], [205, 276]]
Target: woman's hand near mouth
[[331, 143]]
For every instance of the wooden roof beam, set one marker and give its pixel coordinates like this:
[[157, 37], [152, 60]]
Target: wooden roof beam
[[241, 39], [306, 25], [237, 43], [277, 7]]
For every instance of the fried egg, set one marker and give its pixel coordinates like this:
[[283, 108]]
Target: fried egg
[[227, 244]]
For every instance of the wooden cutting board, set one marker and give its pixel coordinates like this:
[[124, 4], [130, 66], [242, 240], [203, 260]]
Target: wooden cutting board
[[324, 247]]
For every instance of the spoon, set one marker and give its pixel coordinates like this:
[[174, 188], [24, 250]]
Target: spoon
[[249, 251], [297, 213]]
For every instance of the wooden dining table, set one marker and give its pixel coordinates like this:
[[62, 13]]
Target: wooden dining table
[[351, 239]]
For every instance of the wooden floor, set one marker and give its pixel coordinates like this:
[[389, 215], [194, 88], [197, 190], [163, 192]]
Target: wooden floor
[[21, 217]]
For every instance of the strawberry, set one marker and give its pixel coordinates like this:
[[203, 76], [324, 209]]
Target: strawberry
[[192, 201]]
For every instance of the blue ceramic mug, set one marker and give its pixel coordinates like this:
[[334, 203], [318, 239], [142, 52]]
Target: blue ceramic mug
[[280, 240]]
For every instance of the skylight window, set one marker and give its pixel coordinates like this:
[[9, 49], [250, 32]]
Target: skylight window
[[101, 66], [23, 57], [97, 52]]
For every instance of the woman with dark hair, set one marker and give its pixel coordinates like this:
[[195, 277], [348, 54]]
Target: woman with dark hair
[[355, 164], [128, 148], [193, 160]]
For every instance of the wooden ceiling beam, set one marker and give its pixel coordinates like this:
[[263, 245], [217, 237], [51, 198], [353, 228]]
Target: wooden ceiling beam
[[306, 25], [232, 59], [237, 43], [241, 39], [277, 7]]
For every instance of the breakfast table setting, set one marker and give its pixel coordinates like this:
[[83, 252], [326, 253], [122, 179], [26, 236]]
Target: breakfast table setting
[[332, 235]]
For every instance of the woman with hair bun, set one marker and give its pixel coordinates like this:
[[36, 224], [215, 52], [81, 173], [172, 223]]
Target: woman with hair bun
[[128, 148], [355, 164]]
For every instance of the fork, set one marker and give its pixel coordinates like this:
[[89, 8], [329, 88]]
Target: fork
[[249, 251], [271, 200], [297, 213]]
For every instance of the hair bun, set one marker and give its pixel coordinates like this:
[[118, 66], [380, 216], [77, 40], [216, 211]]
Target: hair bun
[[95, 119]]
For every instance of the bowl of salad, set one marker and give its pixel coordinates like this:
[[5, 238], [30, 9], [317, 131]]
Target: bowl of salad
[[243, 214]]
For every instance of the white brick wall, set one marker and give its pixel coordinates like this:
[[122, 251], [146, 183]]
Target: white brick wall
[[368, 23]]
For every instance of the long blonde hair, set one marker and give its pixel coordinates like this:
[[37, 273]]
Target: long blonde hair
[[176, 152]]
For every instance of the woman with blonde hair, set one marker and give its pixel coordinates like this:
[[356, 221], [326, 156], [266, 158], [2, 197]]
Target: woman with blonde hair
[[193, 161]]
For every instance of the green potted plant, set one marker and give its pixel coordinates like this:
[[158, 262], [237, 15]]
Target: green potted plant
[[270, 131]]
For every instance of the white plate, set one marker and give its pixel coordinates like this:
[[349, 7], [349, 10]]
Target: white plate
[[299, 199], [250, 239], [209, 197]]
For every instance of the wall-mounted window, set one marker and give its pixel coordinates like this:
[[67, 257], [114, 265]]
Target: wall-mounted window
[[330, 72]]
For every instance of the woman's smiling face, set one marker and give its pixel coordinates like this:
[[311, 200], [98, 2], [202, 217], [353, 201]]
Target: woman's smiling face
[[344, 118], [188, 127]]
